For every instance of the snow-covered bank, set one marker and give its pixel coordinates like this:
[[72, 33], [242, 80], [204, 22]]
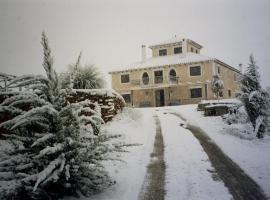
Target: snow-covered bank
[[137, 126], [188, 166], [252, 155]]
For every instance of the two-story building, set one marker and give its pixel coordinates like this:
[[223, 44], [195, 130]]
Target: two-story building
[[175, 74]]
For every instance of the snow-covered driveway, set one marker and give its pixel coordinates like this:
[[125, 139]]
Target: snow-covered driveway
[[189, 172]]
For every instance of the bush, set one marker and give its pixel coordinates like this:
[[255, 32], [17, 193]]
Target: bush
[[82, 77]]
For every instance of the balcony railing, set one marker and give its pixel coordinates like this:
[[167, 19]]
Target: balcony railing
[[135, 82], [148, 82], [158, 79], [173, 79], [145, 81]]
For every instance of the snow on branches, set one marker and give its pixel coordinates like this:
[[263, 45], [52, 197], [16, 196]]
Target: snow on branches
[[255, 99], [58, 148], [217, 86]]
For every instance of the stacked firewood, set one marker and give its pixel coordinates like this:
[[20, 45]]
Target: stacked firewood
[[109, 101]]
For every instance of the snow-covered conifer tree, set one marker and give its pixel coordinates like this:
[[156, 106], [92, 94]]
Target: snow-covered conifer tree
[[255, 99], [57, 148]]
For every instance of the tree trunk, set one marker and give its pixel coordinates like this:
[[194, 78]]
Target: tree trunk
[[261, 131]]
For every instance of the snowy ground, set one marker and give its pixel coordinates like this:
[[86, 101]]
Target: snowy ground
[[251, 154], [136, 127], [188, 170], [187, 173]]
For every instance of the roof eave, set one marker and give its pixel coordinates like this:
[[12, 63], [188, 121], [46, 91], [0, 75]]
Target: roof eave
[[228, 66], [196, 44]]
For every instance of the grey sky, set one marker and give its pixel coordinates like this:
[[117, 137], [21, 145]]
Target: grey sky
[[110, 33]]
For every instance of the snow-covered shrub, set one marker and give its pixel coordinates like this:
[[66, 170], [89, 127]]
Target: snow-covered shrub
[[236, 116], [57, 149], [240, 130], [217, 86]]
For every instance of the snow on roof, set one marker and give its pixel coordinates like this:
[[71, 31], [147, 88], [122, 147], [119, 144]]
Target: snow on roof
[[169, 41], [167, 60]]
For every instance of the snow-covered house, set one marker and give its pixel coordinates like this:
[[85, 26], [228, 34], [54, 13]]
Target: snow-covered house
[[175, 74]]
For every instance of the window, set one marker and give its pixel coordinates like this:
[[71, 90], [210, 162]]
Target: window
[[177, 50], [217, 69], [197, 51], [191, 49], [145, 78], [125, 78], [196, 92], [172, 76], [235, 77], [229, 93], [162, 52], [158, 76], [127, 98], [195, 71]]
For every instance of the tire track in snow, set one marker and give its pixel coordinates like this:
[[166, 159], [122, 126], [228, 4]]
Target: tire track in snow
[[240, 185], [188, 169], [154, 181]]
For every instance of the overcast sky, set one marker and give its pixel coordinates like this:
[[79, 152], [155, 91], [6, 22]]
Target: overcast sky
[[110, 33]]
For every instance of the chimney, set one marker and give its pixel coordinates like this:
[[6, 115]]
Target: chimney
[[184, 46], [143, 53], [240, 67]]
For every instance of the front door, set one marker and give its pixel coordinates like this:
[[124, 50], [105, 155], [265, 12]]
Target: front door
[[160, 101]]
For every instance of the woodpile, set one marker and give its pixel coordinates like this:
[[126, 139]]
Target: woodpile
[[110, 101]]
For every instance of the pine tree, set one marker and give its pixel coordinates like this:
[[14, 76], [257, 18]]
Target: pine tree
[[58, 148], [254, 98], [217, 86]]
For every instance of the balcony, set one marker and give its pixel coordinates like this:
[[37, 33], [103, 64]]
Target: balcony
[[173, 79], [157, 81], [135, 82]]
